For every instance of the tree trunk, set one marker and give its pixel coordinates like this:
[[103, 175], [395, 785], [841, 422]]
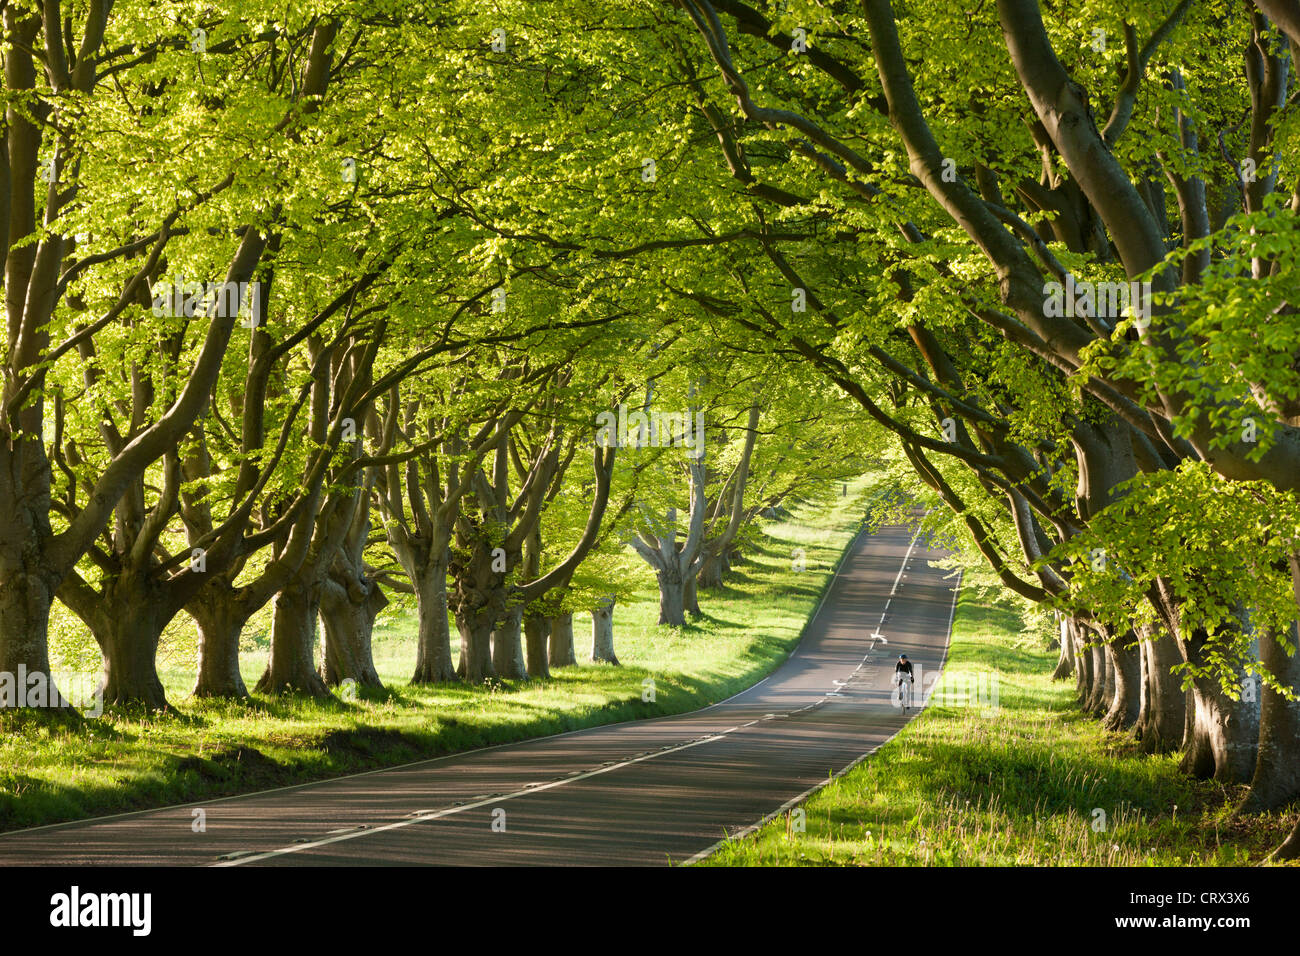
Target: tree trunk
[[348, 609], [1083, 662], [1126, 665], [1065, 663], [690, 597], [293, 640], [561, 641], [433, 654], [475, 648], [128, 637], [25, 600], [1289, 850], [602, 632], [1224, 733], [537, 631], [220, 621], [1276, 780], [1221, 735], [1098, 701], [713, 570], [1163, 716], [672, 609], [26, 586], [508, 647]]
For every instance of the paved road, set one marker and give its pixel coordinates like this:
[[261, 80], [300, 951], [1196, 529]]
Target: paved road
[[649, 792]]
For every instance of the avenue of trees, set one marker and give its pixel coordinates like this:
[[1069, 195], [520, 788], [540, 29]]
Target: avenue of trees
[[533, 291]]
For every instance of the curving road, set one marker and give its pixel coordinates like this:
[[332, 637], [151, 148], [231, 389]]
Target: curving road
[[656, 791]]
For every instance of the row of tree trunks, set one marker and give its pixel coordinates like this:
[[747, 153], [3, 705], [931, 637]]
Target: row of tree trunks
[[1083, 662]]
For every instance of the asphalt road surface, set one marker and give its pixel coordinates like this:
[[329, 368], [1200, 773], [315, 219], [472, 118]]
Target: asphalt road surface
[[650, 792]]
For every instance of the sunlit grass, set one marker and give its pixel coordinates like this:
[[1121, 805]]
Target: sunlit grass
[[54, 769], [1030, 783]]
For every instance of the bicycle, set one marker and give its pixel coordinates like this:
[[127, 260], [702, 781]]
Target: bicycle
[[904, 695]]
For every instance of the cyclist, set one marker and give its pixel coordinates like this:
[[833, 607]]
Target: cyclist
[[903, 676]]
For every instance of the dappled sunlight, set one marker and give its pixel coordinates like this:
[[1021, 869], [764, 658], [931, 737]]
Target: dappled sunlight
[[51, 770], [1032, 783]]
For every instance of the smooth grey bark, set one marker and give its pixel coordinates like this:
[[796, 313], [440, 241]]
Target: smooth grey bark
[[691, 596], [291, 668], [221, 610], [537, 633], [675, 565], [560, 641], [1162, 718], [220, 625], [508, 647], [672, 595], [602, 632], [126, 616], [348, 608], [1224, 737], [433, 661], [715, 557], [713, 569], [1276, 779], [475, 665], [129, 640], [420, 541], [1125, 664], [1084, 663], [27, 582], [1065, 644], [536, 626], [1102, 687]]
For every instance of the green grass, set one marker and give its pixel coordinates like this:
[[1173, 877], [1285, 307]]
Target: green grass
[[1015, 785], [54, 768]]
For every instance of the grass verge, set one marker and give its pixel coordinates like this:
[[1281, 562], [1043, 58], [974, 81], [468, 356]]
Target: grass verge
[[1003, 770], [55, 768]]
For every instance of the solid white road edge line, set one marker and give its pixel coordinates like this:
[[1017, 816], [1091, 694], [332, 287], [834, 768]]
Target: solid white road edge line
[[413, 763], [439, 814], [423, 818], [741, 834]]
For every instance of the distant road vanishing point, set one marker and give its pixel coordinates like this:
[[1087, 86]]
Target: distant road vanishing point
[[659, 791]]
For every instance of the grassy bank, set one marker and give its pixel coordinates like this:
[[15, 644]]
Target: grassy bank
[[1030, 781], [54, 769]]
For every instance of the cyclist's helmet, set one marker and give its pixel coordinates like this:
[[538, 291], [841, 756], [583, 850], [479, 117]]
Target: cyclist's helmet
[[902, 657]]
